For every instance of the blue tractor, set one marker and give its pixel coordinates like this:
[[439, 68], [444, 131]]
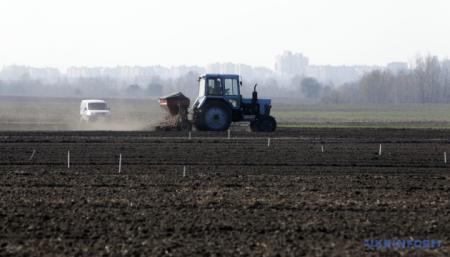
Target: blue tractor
[[219, 103]]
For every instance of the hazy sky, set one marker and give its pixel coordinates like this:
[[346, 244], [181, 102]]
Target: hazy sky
[[62, 33]]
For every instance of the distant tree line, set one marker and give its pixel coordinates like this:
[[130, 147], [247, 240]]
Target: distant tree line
[[428, 82]]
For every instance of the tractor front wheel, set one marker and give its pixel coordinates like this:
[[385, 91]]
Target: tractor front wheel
[[264, 123]]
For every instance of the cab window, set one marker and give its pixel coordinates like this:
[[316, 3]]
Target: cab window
[[231, 87], [202, 88], [214, 87]]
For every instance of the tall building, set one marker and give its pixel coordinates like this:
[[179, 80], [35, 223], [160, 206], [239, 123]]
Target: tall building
[[290, 63]]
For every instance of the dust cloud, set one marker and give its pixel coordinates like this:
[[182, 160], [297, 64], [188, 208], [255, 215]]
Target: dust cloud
[[33, 113]]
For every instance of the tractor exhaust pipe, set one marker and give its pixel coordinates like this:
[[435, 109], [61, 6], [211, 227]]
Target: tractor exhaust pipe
[[254, 95]]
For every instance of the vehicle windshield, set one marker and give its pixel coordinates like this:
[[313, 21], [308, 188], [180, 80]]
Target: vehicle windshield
[[97, 106]]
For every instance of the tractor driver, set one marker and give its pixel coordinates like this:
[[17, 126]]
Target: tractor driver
[[216, 88]]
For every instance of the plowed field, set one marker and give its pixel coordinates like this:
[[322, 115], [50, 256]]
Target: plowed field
[[214, 196]]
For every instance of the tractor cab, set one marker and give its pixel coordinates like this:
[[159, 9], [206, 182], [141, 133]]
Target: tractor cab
[[218, 86]]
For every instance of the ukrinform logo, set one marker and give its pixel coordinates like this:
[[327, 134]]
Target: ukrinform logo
[[402, 244]]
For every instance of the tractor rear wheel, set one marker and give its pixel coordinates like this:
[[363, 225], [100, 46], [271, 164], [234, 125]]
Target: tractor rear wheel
[[215, 116]]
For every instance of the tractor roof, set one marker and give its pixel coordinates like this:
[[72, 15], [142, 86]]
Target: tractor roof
[[218, 75]]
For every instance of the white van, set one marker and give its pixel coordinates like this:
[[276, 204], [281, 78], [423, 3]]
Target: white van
[[92, 110]]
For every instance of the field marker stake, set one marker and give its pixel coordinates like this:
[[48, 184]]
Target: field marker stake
[[445, 157], [120, 162], [32, 155], [184, 171], [379, 151], [268, 142], [68, 158], [321, 148], [229, 133], [190, 135]]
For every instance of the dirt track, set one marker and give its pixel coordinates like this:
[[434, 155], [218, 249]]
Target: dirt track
[[239, 196]]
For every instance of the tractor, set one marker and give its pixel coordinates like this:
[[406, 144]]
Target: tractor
[[218, 104]]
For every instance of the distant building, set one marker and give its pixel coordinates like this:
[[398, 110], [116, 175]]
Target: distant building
[[223, 68], [287, 66], [17, 72], [246, 71], [396, 67], [290, 63]]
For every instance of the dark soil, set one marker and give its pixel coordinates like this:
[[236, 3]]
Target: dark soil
[[239, 196]]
